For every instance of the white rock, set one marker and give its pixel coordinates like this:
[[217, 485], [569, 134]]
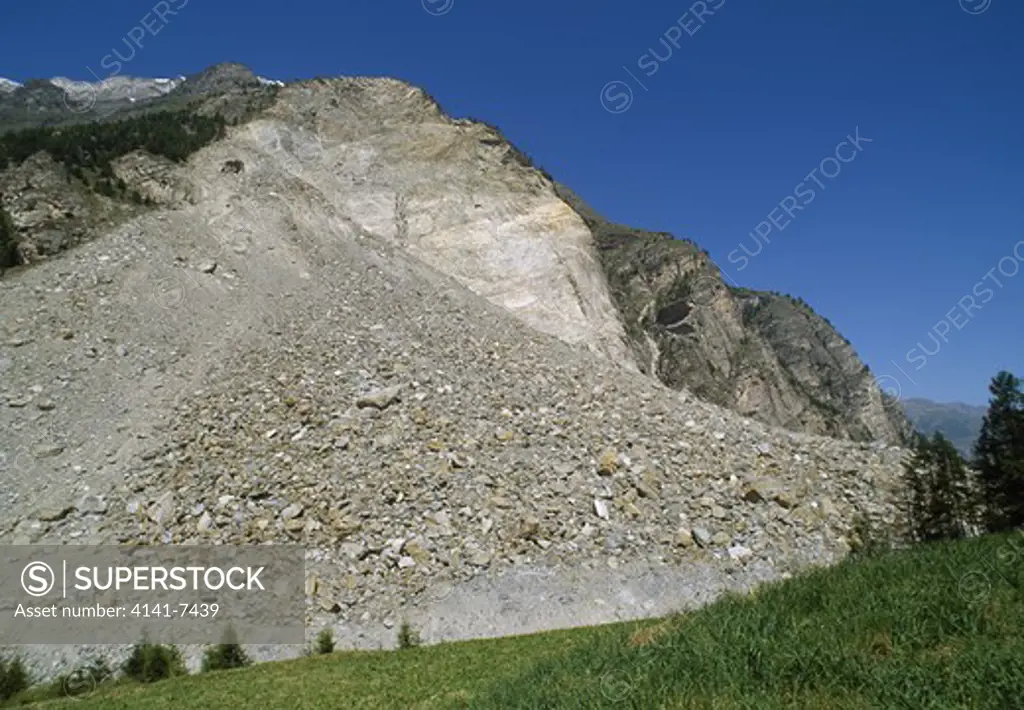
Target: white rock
[[739, 552], [292, 511], [205, 523]]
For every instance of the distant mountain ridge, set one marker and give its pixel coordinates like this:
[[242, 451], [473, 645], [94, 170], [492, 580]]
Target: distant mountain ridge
[[958, 422], [61, 101]]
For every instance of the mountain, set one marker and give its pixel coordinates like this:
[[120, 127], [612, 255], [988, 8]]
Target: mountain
[[646, 300], [59, 101], [328, 313], [958, 422], [763, 354]]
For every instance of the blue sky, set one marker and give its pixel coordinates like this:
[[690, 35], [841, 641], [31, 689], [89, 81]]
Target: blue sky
[[734, 104]]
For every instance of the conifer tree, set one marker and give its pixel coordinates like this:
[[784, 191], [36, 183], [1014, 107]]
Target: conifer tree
[[227, 654], [8, 241], [999, 454], [940, 498]]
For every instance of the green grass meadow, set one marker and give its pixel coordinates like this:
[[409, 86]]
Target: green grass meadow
[[937, 626]]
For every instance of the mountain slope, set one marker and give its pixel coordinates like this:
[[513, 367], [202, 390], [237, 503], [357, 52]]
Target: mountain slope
[[61, 102], [354, 322], [762, 354], [958, 422]]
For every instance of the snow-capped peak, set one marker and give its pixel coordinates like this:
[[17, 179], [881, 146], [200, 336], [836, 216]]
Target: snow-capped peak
[[62, 82], [123, 87], [6, 85]]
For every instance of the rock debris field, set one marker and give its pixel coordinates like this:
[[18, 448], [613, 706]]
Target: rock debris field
[[286, 380]]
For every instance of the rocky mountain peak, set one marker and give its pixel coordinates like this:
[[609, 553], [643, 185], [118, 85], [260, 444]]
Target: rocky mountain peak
[[220, 78]]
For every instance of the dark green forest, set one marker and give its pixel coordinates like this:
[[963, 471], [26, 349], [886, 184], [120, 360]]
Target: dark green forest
[[949, 496], [87, 151], [91, 146]]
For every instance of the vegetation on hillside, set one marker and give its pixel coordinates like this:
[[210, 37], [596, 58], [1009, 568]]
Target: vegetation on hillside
[[941, 500], [88, 150], [150, 662], [900, 630], [90, 147], [999, 455], [14, 678], [946, 498], [8, 239], [225, 655]]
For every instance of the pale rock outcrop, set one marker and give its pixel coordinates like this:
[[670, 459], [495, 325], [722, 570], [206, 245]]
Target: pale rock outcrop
[[452, 193]]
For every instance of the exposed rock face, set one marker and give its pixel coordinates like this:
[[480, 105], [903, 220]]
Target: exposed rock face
[[153, 177], [762, 354], [52, 212], [454, 194], [219, 79]]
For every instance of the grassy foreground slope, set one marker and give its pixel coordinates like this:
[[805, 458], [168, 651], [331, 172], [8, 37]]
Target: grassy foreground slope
[[937, 626]]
